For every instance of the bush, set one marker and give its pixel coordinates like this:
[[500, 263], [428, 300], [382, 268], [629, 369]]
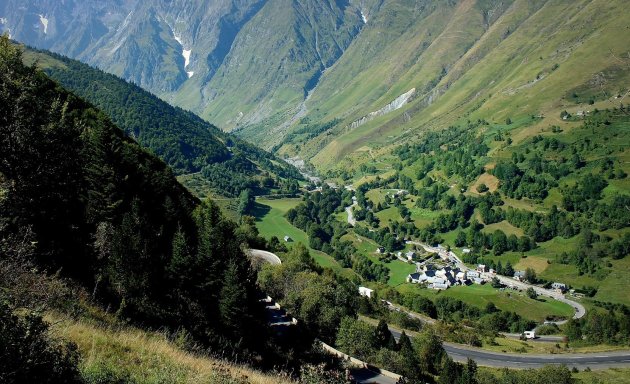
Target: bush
[[29, 355], [481, 188]]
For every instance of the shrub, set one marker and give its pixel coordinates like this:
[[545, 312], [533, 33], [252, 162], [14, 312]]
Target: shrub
[[29, 355]]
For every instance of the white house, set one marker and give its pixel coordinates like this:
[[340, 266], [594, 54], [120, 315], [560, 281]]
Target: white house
[[466, 250], [560, 287], [288, 239], [367, 292], [519, 275], [410, 255], [439, 286], [472, 274]]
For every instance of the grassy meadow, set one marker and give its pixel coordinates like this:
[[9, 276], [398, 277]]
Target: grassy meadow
[[481, 295]]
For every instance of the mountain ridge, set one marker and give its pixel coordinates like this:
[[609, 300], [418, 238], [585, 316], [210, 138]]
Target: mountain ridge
[[186, 142], [268, 69]]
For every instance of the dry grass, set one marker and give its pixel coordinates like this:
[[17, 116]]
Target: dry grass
[[489, 180], [132, 355], [538, 264]]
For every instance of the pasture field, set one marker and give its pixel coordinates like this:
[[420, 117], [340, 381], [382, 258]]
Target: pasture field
[[481, 295]]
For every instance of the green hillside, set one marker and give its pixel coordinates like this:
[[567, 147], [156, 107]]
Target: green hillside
[[185, 142], [467, 60], [112, 272], [79, 198], [282, 65]]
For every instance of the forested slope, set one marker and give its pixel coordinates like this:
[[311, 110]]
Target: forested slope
[[78, 197], [185, 142]]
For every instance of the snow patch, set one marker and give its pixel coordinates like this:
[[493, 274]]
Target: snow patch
[[44, 22], [186, 53], [364, 18], [3, 20], [190, 74]]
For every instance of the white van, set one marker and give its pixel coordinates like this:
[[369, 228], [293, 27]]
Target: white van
[[529, 334]]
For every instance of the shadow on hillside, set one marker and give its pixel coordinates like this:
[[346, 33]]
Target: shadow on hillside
[[260, 210]]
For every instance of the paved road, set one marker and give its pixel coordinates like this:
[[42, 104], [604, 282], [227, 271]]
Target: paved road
[[600, 360], [365, 376], [349, 210], [269, 257]]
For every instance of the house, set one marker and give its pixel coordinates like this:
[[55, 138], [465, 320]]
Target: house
[[519, 275], [560, 287], [380, 250], [424, 277], [414, 278], [367, 292], [439, 286], [466, 250], [287, 239], [410, 255], [481, 268], [479, 280], [443, 272], [472, 274]]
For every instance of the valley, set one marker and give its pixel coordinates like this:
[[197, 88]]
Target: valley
[[439, 178]]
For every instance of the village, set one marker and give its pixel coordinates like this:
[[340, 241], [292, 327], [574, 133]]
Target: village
[[439, 268]]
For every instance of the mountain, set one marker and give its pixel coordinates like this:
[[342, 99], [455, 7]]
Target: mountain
[[198, 55], [327, 80], [79, 197], [185, 142]]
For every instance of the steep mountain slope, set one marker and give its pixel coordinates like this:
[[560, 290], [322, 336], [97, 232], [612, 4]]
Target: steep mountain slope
[[200, 55], [328, 80], [473, 60], [187, 143], [78, 197], [291, 46]]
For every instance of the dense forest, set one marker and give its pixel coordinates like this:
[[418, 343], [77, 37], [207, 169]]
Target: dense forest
[[184, 141], [315, 216], [79, 198]]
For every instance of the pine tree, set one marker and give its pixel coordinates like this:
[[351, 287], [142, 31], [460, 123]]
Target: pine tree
[[404, 344], [383, 336], [182, 262], [508, 270], [233, 300]]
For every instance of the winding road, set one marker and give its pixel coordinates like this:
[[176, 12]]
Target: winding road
[[269, 257], [278, 317], [599, 360], [460, 353], [349, 210]]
